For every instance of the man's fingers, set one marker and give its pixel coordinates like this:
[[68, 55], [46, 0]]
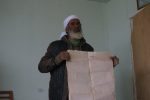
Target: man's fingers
[[115, 60], [65, 55]]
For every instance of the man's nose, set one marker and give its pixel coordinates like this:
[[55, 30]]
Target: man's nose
[[77, 25]]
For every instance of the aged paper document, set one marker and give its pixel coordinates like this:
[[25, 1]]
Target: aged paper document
[[90, 76]]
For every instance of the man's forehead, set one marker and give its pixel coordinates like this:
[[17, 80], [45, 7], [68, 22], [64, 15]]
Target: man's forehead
[[74, 20]]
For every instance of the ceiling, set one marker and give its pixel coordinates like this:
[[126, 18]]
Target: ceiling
[[105, 1]]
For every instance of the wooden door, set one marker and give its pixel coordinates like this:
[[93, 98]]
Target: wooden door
[[141, 53]]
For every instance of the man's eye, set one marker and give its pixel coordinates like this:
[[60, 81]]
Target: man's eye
[[72, 23], [78, 23]]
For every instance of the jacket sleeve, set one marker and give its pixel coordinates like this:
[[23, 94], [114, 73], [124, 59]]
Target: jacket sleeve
[[48, 61], [88, 48]]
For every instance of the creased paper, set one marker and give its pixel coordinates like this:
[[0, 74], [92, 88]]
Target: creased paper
[[90, 76]]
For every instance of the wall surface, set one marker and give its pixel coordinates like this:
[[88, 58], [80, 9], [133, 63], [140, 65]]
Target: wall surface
[[117, 23], [26, 29], [28, 26]]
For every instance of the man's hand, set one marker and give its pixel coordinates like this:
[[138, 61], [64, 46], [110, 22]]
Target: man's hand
[[64, 55], [115, 60]]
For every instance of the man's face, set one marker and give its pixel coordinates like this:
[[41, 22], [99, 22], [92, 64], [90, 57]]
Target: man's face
[[74, 26]]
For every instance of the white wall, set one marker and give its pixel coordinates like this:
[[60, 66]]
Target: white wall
[[28, 26], [117, 16], [26, 29]]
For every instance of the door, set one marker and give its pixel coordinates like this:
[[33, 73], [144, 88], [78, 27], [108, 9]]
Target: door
[[141, 53]]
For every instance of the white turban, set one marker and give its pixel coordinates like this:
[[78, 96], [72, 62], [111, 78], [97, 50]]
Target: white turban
[[68, 19], [62, 34]]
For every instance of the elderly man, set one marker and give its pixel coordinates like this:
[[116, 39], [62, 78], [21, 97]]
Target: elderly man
[[54, 60]]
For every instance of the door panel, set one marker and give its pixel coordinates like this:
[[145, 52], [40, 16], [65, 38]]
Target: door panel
[[141, 53]]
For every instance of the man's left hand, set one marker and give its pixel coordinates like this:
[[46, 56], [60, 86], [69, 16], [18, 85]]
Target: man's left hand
[[115, 60]]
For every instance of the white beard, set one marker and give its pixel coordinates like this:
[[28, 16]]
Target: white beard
[[77, 35]]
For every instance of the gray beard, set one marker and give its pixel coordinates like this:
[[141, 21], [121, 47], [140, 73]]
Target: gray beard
[[77, 35]]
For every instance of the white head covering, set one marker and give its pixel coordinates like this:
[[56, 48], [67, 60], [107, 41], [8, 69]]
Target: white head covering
[[62, 34], [68, 19]]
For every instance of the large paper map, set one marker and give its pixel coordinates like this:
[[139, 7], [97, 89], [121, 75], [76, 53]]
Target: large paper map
[[90, 76]]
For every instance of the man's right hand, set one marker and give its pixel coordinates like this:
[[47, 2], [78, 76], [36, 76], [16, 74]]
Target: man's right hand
[[64, 55]]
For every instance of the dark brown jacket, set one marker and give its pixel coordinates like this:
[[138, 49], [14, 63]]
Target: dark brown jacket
[[58, 87]]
